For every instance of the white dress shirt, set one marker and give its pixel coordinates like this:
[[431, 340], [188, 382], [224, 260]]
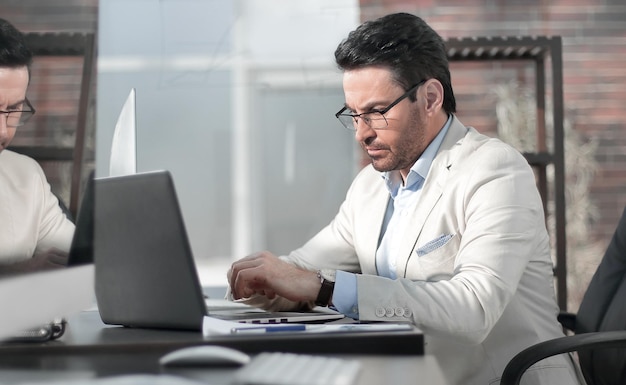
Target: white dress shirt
[[397, 218]]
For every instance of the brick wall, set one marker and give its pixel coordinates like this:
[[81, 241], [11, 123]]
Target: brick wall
[[51, 15]]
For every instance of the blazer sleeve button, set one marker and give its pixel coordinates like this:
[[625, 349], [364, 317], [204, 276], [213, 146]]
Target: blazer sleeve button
[[380, 312]]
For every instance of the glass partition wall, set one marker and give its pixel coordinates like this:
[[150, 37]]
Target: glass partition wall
[[237, 100]]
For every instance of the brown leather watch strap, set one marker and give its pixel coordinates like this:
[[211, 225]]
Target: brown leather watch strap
[[326, 291]]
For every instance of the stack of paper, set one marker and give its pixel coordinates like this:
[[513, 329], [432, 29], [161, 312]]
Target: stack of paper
[[215, 326]]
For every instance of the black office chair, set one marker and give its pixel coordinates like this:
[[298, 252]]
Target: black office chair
[[599, 325]]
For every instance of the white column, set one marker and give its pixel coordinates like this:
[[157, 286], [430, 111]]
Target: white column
[[241, 149]]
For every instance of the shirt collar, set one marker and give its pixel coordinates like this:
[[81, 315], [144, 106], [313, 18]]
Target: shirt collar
[[420, 168]]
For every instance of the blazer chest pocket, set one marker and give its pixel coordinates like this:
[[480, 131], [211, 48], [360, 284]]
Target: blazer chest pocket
[[434, 260]]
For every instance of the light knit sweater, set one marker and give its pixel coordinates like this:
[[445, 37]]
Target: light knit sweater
[[30, 217]]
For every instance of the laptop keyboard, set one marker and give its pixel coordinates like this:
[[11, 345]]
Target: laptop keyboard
[[297, 369]]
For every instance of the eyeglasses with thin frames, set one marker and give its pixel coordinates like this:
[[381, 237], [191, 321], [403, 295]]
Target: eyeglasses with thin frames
[[374, 119], [16, 118]]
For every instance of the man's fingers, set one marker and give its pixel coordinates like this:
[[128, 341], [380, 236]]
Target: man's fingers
[[235, 272], [50, 259], [248, 276], [249, 281], [57, 259]]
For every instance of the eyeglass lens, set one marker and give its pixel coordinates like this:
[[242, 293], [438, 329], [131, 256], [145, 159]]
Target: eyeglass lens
[[17, 118], [373, 119]]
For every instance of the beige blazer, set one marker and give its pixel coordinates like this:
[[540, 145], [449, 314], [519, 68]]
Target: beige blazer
[[475, 272], [30, 217]]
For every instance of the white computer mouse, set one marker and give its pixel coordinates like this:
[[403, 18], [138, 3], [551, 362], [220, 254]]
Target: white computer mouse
[[205, 355]]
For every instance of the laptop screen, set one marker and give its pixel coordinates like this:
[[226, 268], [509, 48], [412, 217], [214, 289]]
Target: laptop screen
[[123, 159], [81, 251]]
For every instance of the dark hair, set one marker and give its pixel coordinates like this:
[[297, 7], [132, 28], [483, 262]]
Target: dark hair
[[406, 45], [13, 50]]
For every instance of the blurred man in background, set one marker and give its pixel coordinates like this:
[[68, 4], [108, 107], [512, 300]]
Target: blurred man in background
[[35, 234]]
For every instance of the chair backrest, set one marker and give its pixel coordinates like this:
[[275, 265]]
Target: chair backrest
[[603, 308]]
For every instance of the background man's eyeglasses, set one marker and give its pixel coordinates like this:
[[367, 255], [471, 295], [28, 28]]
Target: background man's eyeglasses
[[374, 119], [16, 118]]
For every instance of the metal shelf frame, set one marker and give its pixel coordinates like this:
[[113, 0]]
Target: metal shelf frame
[[67, 44], [537, 49]]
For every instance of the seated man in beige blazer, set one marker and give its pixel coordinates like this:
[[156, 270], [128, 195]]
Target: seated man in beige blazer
[[35, 234], [445, 229]]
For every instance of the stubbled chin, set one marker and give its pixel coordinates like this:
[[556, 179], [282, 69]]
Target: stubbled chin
[[379, 165]]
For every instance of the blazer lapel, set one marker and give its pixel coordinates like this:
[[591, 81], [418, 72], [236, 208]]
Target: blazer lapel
[[376, 208], [431, 191]]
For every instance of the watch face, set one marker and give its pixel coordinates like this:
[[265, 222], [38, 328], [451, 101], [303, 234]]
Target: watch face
[[326, 293]]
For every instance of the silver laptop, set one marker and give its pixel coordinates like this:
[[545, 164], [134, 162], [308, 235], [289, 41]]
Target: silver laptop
[[144, 269]]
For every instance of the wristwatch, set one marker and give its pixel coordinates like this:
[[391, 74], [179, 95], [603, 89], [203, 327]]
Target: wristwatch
[[327, 278]]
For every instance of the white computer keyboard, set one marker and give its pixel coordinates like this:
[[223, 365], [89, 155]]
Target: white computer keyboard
[[297, 369]]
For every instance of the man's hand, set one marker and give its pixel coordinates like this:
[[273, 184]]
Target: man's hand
[[51, 259], [265, 274]]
